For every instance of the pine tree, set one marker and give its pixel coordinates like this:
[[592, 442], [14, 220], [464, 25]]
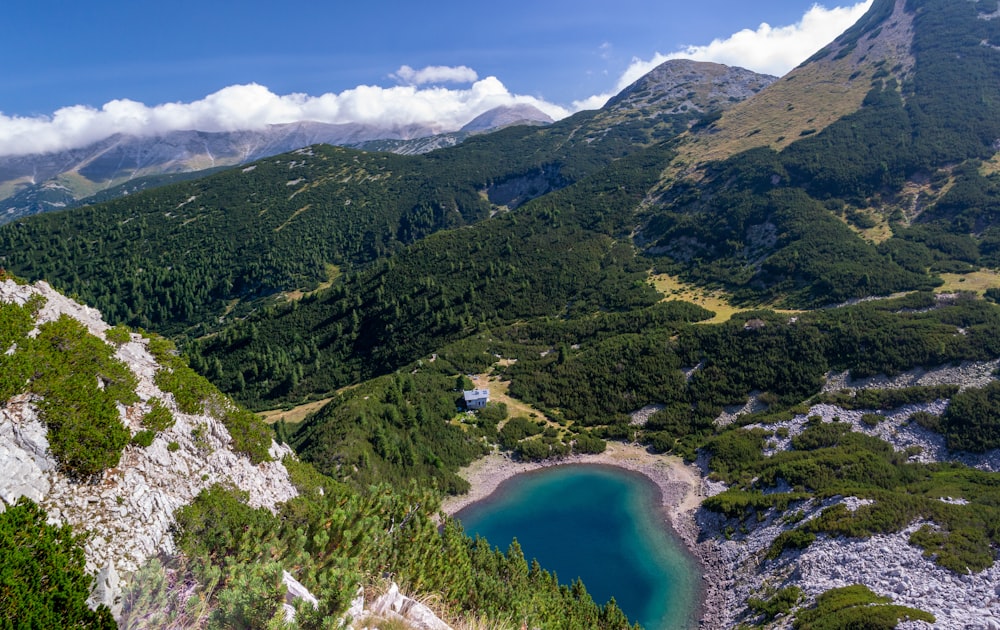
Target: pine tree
[[43, 583]]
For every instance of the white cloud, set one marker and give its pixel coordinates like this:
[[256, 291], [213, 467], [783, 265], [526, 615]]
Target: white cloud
[[776, 50], [770, 50], [596, 101], [246, 107], [435, 74], [420, 100]]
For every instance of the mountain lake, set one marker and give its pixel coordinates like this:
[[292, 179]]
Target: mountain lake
[[602, 524]]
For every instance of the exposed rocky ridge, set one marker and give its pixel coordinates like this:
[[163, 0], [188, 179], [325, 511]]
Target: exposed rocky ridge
[[684, 86], [130, 509], [888, 564]]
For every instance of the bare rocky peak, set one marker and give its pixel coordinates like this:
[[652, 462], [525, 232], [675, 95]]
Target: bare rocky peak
[[506, 116], [682, 85]]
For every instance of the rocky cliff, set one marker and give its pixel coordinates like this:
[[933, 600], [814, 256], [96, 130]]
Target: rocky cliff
[[129, 509]]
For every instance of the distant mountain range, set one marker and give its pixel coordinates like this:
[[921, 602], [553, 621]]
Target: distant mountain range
[[125, 164]]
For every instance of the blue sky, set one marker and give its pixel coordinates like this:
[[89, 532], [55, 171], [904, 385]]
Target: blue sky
[[65, 60]]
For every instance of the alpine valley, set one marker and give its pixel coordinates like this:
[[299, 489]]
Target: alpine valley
[[783, 292]]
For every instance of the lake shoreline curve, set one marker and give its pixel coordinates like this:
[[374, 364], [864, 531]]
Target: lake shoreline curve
[[681, 488]]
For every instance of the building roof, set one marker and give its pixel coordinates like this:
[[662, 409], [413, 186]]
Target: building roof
[[473, 394]]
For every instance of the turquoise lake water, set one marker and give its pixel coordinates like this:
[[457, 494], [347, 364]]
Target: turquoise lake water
[[602, 524]]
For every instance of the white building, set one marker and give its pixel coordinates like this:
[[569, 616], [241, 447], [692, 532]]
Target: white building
[[476, 398]]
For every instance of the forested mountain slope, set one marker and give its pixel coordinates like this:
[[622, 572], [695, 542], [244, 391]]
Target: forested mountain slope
[[30, 184], [798, 226], [177, 256], [554, 257], [184, 255]]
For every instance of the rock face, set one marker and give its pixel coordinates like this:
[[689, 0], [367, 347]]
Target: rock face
[[395, 605], [684, 86], [295, 590], [24, 461], [130, 509], [107, 589], [888, 564]]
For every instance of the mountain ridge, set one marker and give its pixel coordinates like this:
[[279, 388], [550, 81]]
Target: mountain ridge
[[690, 85], [827, 86], [36, 183], [861, 171]]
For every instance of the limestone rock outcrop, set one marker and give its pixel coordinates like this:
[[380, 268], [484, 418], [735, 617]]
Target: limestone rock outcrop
[[129, 510], [887, 564], [295, 590], [394, 605]]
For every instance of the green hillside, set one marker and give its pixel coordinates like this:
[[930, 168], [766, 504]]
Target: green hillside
[[556, 256], [180, 257], [564, 223], [782, 224]]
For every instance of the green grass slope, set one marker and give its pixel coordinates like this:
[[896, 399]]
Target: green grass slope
[[776, 224]]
